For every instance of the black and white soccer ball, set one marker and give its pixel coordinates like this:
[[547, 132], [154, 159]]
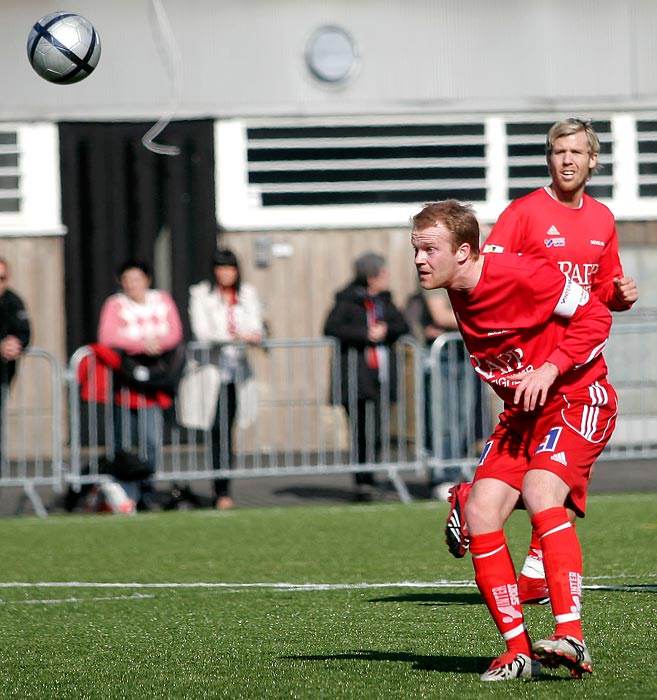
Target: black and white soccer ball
[[63, 47]]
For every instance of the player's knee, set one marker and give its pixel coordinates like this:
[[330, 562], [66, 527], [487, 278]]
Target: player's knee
[[542, 489], [477, 514]]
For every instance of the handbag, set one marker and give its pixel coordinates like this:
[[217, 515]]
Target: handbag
[[247, 403], [198, 392], [153, 372]]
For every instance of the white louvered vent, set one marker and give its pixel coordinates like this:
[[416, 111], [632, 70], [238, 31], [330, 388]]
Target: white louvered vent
[[30, 192], [377, 171], [646, 137], [10, 198], [366, 164]]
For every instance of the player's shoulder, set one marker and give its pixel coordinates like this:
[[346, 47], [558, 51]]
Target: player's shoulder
[[520, 212], [593, 204], [528, 200]]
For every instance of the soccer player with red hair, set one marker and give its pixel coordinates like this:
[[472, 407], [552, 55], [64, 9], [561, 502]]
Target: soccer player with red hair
[[536, 337]]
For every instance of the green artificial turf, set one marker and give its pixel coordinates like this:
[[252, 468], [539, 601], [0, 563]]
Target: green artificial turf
[[307, 602]]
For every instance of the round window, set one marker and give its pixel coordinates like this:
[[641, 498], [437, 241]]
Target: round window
[[331, 54]]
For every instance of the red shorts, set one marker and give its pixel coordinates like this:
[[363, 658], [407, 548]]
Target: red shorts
[[565, 437]]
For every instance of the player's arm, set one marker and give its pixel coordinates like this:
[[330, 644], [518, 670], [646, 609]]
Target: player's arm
[[615, 291], [589, 323]]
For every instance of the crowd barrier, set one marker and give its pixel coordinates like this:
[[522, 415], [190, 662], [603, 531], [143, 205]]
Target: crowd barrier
[[458, 411], [297, 415], [631, 356], [291, 419], [33, 428]]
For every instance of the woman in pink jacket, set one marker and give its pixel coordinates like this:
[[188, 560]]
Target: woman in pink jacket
[[139, 321]]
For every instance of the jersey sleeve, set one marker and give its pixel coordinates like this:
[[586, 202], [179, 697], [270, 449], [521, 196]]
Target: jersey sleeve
[[589, 323], [609, 269]]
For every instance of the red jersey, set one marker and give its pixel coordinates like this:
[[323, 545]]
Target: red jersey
[[524, 312], [582, 241]]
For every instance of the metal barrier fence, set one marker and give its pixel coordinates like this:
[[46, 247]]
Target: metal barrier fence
[[459, 411], [288, 417], [32, 425], [297, 413], [631, 356], [459, 406]]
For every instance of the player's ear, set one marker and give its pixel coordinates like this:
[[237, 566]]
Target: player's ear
[[463, 252]]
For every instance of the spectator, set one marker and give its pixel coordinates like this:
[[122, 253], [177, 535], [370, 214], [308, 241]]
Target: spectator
[[227, 312], [143, 323], [14, 337], [367, 323]]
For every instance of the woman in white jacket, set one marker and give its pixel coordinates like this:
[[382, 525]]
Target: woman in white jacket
[[227, 313]]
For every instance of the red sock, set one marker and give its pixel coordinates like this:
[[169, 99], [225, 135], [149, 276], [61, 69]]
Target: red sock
[[533, 564], [496, 579], [562, 558], [535, 548]]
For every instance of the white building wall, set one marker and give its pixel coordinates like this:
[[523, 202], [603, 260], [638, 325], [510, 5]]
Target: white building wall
[[246, 57]]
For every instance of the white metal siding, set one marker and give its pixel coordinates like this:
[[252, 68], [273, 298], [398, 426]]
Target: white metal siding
[[246, 58]]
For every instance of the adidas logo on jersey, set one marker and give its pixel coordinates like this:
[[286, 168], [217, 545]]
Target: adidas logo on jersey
[[560, 457], [552, 231]]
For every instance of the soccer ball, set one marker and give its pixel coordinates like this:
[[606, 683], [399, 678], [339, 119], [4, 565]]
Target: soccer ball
[[63, 47]]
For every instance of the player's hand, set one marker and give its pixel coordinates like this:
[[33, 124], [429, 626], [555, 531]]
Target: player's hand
[[626, 290], [534, 385]]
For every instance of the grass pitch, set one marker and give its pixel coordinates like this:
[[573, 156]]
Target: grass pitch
[[360, 602]]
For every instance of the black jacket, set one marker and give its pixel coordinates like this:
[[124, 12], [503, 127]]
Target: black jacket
[[13, 321], [347, 321]]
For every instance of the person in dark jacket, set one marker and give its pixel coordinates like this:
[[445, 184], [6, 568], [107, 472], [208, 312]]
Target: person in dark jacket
[[367, 323], [14, 335]]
